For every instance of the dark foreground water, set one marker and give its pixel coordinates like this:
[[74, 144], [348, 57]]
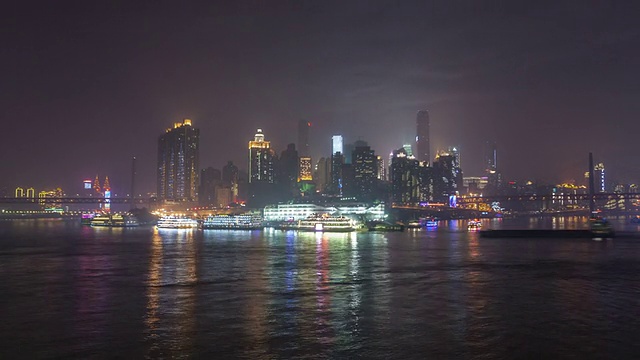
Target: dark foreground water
[[68, 291]]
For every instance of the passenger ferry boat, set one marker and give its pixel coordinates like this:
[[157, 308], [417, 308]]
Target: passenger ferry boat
[[233, 222], [474, 225], [114, 220], [177, 222], [326, 223]]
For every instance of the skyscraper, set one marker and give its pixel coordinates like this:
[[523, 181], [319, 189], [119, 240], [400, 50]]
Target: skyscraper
[[262, 159], [422, 136], [365, 169], [305, 173], [303, 137], [336, 144], [178, 152], [261, 167]]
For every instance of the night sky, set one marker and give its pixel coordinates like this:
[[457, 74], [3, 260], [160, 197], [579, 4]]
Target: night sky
[[87, 85]]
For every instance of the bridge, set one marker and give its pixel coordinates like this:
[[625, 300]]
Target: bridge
[[562, 197], [77, 200]]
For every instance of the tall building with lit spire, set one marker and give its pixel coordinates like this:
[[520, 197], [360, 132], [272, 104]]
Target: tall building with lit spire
[[261, 167], [178, 154], [261, 171]]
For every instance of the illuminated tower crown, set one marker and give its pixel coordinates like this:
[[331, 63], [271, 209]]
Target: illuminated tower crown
[[96, 185], [107, 186]]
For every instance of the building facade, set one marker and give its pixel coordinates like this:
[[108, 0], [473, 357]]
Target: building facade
[[178, 154]]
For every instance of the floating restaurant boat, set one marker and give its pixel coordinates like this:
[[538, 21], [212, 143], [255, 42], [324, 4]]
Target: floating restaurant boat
[[326, 223], [233, 222], [177, 222], [114, 220]]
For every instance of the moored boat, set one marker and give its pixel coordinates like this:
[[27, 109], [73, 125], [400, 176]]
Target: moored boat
[[177, 222], [326, 223], [233, 222], [114, 220]]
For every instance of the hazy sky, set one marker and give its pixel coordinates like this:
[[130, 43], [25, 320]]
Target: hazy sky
[[87, 84]]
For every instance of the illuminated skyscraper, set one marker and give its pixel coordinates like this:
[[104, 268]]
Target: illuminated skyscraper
[[422, 136], [303, 137], [305, 173], [178, 153], [261, 171], [261, 167], [336, 144]]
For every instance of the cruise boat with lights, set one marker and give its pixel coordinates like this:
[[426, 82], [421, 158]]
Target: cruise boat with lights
[[233, 222], [474, 225], [326, 223], [177, 222], [431, 223], [114, 220]]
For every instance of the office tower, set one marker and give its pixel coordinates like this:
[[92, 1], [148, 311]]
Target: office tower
[[303, 137], [336, 144], [305, 173], [261, 160], [422, 136], [209, 179], [365, 171], [178, 153], [230, 178], [598, 176]]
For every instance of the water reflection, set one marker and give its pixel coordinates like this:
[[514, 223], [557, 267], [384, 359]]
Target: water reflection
[[171, 291]]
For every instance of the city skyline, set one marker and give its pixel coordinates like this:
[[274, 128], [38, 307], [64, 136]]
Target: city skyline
[[361, 70]]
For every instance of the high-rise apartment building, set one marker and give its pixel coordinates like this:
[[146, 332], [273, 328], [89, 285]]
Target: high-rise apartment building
[[178, 153], [422, 136]]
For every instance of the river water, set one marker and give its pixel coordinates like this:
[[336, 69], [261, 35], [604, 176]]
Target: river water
[[72, 291]]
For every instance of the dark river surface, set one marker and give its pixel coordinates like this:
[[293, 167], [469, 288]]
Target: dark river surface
[[72, 291]]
